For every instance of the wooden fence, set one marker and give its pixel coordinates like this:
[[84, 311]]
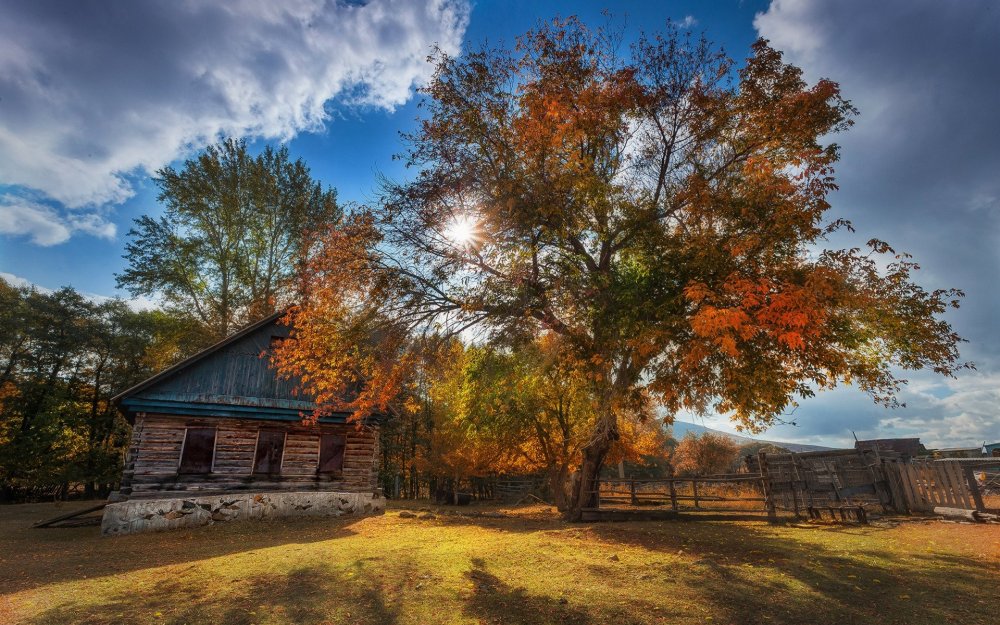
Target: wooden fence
[[922, 485], [837, 482], [738, 492], [842, 483]]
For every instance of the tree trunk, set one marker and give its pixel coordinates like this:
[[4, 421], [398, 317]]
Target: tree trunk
[[604, 435], [585, 488], [557, 486]]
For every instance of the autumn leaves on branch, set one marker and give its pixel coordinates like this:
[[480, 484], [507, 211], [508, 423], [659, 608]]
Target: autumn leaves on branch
[[655, 211]]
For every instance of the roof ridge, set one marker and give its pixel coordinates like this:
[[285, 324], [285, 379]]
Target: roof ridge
[[190, 360]]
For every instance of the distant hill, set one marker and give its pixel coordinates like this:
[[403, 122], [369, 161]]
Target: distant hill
[[680, 428]]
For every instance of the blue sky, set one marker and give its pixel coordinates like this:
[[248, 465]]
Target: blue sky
[[94, 96]]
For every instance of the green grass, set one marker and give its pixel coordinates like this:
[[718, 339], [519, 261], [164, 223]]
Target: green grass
[[530, 568]]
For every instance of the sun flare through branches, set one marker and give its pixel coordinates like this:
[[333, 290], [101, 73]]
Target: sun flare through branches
[[464, 232]]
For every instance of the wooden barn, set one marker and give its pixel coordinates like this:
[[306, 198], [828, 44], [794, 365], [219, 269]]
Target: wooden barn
[[221, 437]]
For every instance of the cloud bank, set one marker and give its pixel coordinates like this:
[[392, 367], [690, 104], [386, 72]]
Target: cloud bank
[[920, 170], [92, 92]]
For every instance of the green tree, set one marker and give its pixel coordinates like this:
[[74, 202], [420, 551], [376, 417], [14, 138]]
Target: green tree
[[232, 236], [62, 362], [661, 210]]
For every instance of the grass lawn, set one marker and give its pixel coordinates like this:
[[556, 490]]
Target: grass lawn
[[527, 568]]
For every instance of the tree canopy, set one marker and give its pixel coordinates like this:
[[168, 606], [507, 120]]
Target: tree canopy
[[661, 209], [62, 360], [232, 236]]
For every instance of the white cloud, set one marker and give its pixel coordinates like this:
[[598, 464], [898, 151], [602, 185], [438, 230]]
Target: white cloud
[[94, 91], [46, 226], [22, 217], [689, 21], [918, 170], [961, 412]]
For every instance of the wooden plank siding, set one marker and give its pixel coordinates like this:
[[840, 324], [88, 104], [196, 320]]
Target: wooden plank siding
[[241, 372], [159, 439]]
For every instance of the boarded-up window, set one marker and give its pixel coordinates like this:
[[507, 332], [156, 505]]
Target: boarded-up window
[[270, 446], [199, 448], [331, 453]]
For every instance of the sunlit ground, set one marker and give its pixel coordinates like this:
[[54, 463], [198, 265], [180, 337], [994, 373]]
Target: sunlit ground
[[527, 568]]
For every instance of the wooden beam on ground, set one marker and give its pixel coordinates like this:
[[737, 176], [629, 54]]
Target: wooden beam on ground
[[69, 515]]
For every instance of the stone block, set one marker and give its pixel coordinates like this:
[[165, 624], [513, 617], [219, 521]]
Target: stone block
[[150, 515]]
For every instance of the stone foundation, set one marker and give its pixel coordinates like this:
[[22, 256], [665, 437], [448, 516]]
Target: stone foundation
[[153, 515]]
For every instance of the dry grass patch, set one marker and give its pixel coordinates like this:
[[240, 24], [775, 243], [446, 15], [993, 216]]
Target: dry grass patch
[[526, 567]]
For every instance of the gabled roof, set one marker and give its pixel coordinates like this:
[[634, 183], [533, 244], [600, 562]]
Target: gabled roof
[[187, 362], [908, 446]]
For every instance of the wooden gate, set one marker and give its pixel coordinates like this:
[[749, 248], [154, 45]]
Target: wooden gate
[[925, 484]]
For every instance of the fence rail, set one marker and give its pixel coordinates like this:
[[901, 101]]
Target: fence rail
[[684, 493], [844, 483]]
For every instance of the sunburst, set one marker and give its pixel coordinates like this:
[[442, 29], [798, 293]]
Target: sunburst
[[463, 231]]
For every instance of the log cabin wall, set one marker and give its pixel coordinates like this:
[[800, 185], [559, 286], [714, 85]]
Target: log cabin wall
[[152, 467]]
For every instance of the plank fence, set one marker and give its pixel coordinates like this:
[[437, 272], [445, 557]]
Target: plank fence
[[718, 493], [844, 484], [927, 484]]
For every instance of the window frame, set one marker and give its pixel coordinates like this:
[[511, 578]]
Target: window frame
[[256, 451], [343, 454], [184, 447]]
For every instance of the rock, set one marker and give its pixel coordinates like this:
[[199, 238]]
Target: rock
[[406, 514], [173, 514], [427, 516], [563, 600], [614, 558]]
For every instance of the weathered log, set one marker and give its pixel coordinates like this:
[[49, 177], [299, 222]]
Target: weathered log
[[965, 515]]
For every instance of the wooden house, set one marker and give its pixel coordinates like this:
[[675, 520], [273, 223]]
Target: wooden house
[[907, 448], [221, 436]]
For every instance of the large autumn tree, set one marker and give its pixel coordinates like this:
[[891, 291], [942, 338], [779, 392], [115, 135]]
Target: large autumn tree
[[662, 210]]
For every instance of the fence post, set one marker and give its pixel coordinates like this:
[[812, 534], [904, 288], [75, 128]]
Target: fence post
[[977, 496], [673, 494], [635, 501], [794, 485], [766, 484], [694, 487], [894, 480]]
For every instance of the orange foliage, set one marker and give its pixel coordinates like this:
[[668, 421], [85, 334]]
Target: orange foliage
[[347, 354], [707, 454]]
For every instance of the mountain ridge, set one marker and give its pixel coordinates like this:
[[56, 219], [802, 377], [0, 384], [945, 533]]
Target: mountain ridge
[[680, 428]]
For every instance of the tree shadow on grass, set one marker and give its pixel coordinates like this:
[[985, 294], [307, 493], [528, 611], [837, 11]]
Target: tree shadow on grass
[[747, 575], [495, 601], [316, 594], [30, 558]]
